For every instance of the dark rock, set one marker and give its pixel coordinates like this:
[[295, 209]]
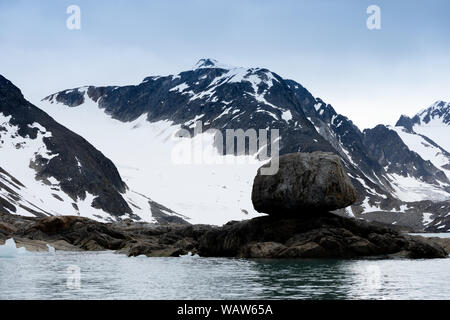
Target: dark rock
[[81, 232], [316, 236], [423, 249], [406, 122], [262, 249], [443, 242], [160, 213], [307, 250], [42, 246], [304, 182], [322, 235]]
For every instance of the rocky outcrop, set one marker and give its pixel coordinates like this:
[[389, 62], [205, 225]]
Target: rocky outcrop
[[305, 183], [318, 236], [80, 232]]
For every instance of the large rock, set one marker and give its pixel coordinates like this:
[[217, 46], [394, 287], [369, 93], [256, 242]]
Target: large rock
[[305, 183], [324, 236], [81, 232]]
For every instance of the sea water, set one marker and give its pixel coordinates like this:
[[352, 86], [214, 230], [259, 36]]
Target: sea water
[[107, 275]]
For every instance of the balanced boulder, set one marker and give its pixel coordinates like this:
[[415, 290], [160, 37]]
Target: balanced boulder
[[305, 183]]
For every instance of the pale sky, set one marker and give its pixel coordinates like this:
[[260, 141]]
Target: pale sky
[[371, 76]]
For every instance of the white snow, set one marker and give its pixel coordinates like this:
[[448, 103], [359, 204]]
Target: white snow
[[36, 195], [368, 189], [225, 112], [437, 131], [410, 189], [44, 196], [180, 87], [286, 115], [349, 212], [427, 151], [273, 115], [234, 75], [427, 218], [211, 193], [215, 64], [347, 153], [368, 207]]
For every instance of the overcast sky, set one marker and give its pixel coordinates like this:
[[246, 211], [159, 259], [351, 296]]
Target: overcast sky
[[371, 76]]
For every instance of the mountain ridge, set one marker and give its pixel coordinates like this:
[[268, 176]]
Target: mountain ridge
[[431, 122], [258, 98], [46, 169]]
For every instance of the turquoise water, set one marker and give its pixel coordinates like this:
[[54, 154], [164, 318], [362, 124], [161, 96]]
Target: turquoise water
[[105, 275]]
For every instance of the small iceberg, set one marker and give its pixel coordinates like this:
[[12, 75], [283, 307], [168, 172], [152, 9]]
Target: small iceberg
[[10, 250], [51, 249], [190, 255]]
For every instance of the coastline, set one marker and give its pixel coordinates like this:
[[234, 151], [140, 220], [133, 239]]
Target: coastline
[[322, 236]]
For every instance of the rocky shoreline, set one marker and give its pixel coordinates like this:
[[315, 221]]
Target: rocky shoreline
[[327, 236], [298, 200]]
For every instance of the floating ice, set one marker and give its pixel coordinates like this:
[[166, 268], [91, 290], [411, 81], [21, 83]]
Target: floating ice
[[190, 255], [10, 250], [51, 249]]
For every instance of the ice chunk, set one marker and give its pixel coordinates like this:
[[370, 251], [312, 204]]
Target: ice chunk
[[10, 250], [51, 249], [189, 255]]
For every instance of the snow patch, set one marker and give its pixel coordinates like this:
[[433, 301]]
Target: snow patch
[[410, 189], [286, 115], [142, 152], [424, 149], [180, 87], [427, 218]]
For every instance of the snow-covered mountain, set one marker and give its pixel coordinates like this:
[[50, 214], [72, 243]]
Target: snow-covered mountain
[[46, 169], [432, 122], [426, 148], [136, 126], [382, 166]]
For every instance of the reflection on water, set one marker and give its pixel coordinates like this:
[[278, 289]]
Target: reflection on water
[[105, 275], [307, 279]]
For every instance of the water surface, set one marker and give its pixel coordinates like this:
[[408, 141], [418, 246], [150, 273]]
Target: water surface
[[106, 275]]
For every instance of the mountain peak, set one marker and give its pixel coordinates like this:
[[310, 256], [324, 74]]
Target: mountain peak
[[211, 63], [438, 105], [438, 110], [8, 88]]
